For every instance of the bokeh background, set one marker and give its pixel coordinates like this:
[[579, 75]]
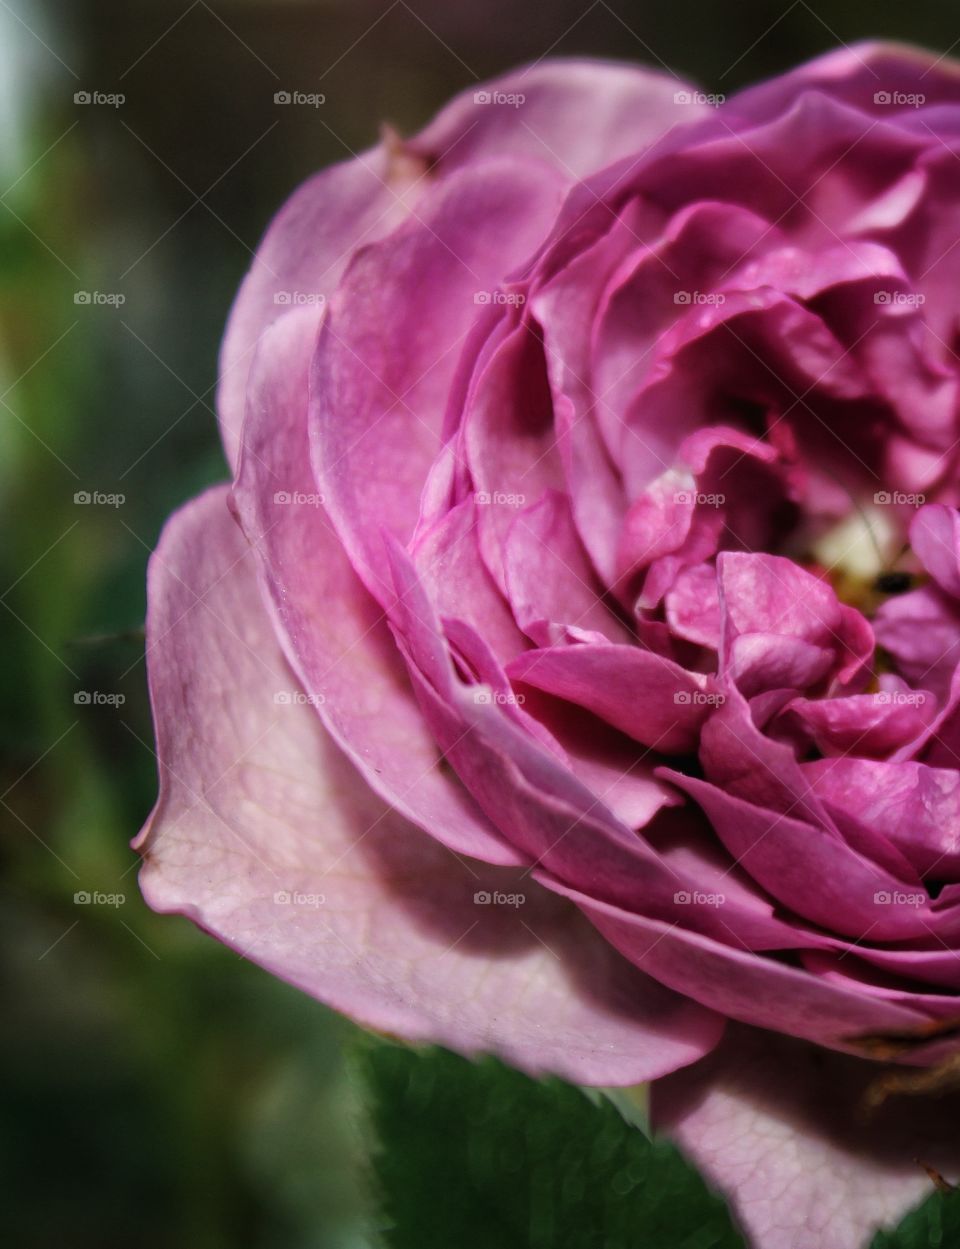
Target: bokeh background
[[157, 1090]]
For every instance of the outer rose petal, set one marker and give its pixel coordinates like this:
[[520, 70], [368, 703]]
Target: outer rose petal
[[777, 1125], [761, 991], [305, 250], [856, 74], [255, 799], [309, 242], [346, 659], [626, 108], [389, 348]]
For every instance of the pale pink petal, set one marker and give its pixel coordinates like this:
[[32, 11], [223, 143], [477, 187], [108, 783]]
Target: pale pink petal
[[309, 243], [781, 1128], [538, 112], [266, 836], [346, 658]]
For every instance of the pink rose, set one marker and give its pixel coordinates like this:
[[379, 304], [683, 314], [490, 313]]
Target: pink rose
[[571, 670]]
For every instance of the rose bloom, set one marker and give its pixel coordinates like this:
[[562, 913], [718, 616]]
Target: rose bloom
[[570, 671]]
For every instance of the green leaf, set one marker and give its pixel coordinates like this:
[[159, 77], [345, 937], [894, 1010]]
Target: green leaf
[[476, 1155], [934, 1225]]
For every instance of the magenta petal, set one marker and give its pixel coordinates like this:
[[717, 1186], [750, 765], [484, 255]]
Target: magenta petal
[[935, 537], [778, 1126], [851, 74], [346, 659], [810, 870], [389, 348], [916, 807], [940, 966], [311, 240], [693, 606], [508, 441], [759, 662], [302, 258], [651, 698], [551, 586], [865, 724], [266, 836], [921, 630], [783, 626], [766, 992], [447, 556], [537, 113], [658, 523], [770, 594], [519, 781]]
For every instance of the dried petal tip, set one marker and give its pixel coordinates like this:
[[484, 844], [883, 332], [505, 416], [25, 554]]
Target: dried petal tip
[[404, 165]]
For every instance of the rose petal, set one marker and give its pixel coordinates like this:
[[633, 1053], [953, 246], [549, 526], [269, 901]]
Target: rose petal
[[815, 874], [390, 342], [935, 538], [651, 698], [509, 442], [345, 658], [778, 1126], [761, 991], [921, 630], [868, 724], [550, 584], [916, 807], [537, 112], [788, 615], [693, 606], [857, 73], [310, 241], [257, 802], [303, 255], [447, 556]]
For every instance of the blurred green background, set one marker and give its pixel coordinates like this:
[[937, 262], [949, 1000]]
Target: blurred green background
[[157, 1090]]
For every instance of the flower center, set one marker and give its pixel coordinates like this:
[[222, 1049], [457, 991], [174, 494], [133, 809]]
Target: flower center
[[866, 558]]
